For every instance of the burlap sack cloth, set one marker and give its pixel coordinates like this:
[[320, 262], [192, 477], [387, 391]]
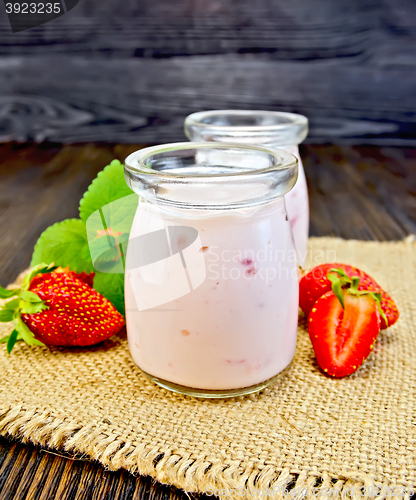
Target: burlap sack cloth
[[306, 431]]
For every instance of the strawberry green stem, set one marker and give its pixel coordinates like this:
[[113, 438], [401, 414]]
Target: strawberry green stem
[[26, 302], [340, 280]]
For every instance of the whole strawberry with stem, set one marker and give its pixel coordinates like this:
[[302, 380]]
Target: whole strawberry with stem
[[317, 282], [58, 307]]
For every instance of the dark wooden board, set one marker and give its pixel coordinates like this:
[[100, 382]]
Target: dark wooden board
[[131, 71], [294, 30], [380, 30], [362, 192], [28, 472], [147, 100]]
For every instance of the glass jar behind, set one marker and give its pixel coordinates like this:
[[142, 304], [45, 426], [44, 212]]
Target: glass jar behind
[[211, 276], [267, 128]]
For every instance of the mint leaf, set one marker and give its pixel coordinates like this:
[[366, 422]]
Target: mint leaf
[[108, 209], [112, 287], [65, 244], [108, 230], [106, 255], [108, 186], [6, 315]]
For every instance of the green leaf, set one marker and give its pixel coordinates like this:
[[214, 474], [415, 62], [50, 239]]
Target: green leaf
[[105, 254], [377, 297], [382, 314], [24, 331], [333, 278], [12, 304], [6, 294], [6, 315], [65, 244], [108, 186], [108, 208], [338, 274], [112, 287], [47, 269], [337, 289], [355, 281], [6, 338], [29, 296], [108, 230], [39, 269], [32, 307], [12, 340], [341, 273]]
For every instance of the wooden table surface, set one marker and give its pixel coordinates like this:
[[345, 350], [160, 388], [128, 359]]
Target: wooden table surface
[[363, 192]]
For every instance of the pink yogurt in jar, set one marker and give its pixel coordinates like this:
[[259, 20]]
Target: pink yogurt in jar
[[211, 280]]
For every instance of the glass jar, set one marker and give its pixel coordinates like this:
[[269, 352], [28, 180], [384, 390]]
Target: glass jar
[[267, 128], [211, 279]]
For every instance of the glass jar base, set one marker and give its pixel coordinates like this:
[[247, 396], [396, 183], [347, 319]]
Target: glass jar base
[[215, 394]]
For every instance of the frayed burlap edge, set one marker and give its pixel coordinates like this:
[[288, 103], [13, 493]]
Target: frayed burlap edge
[[55, 431], [196, 476]]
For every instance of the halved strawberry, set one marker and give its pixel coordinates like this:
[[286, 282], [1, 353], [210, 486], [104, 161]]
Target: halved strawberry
[[316, 282], [59, 307], [343, 337]]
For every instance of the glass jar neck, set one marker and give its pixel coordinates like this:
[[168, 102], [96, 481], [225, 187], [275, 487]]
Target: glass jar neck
[[171, 213], [266, 128], [209, 176]]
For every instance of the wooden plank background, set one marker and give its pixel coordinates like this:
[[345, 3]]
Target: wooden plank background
[[130, 71]]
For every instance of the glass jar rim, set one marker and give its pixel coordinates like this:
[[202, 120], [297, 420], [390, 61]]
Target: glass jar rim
[[136, 162], [286, 125], [230, 180]]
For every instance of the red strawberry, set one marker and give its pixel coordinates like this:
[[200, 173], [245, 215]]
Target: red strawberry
[[59, 307], [343, 338], [316, 282], [85, 277]]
